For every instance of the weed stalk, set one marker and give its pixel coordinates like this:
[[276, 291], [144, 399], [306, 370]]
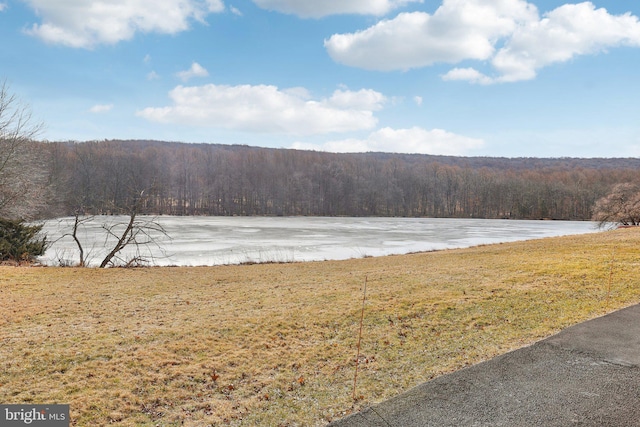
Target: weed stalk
[[613, 258], [364, 298]]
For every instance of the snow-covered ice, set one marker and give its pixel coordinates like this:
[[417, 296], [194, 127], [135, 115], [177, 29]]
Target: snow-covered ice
[[232, 240]]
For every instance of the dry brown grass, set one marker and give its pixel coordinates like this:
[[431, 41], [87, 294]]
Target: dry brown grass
[[274, 344]]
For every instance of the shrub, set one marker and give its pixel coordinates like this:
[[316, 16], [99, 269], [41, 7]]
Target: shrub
[[20, 241], [621, 206]]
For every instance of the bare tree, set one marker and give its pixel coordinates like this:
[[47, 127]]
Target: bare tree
[[23, 172], [79, 220], [135, 232], [620, 206]]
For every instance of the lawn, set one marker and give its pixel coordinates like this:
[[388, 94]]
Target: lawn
[[275, 344]]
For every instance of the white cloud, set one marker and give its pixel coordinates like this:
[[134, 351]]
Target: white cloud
[[235, 11], [3, 7], [268, 109], [101, 108], [320, 8], [147, 59], [365, 100], [412, 140], [153, 76], [507, 34], [87, 23], [196, 70], [417, 100], [564, 33], [458, 30], [469, 74]]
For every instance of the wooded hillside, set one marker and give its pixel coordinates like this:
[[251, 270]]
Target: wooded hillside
[[210, 179]]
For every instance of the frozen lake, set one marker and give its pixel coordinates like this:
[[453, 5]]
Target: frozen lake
[[197, 241]]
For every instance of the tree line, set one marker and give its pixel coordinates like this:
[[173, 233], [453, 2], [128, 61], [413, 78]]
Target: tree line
[[106, 177]]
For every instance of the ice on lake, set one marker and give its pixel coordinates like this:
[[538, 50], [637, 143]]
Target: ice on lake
[[195, 241]]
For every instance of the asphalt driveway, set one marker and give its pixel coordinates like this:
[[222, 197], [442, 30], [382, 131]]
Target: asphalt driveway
[[587, 375]]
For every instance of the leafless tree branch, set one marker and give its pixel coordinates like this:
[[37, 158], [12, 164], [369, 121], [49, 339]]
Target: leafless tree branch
[[23, 168]]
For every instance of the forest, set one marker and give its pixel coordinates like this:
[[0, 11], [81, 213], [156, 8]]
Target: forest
[[170, 178]]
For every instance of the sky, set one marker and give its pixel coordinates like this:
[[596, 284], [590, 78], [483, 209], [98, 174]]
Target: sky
[[505, 78]]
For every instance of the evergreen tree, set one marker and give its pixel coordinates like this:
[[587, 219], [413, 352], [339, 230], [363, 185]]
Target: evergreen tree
[[20, 241]]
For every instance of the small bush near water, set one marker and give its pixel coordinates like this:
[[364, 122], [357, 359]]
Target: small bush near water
[[19, 241]]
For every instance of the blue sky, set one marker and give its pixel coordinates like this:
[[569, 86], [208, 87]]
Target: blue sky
[[509, 78]]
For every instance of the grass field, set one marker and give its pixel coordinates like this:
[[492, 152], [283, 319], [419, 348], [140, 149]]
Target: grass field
[[275, 344]]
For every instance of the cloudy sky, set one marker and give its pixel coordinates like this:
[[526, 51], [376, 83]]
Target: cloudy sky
[[511, 78]]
